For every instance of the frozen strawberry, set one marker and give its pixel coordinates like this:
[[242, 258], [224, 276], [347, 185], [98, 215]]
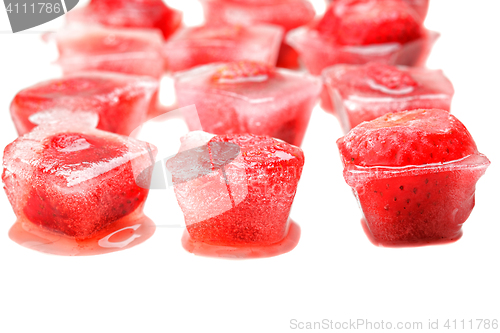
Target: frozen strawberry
[[249, 97], [360, 31], [128, 51], [288, 14], [222, 43], [365, 22], [121, 101], [142, 14], [414, 175], [75, 180], [245, 202], [365, 92]]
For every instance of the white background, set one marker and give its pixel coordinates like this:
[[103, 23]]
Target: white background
[[334, 273]]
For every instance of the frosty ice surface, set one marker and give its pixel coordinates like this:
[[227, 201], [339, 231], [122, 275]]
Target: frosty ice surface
[[365, 92], [222, 43], [248, 97], [121, 101]]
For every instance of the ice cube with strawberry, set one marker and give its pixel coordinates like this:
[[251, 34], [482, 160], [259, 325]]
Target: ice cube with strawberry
[[206, 44], [414, 175], [139, 14], [365, 92], [289, 14], [70, 180], [249, 97], [121, 101], [359, 31], [128, 51], [239, 197]]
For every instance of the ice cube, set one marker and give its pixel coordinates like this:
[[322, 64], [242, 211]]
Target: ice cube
[[419, 187], [248, 97], [289, 14], [195, 46], [244, 200], [121, 101], [129, 51], [365, 92], [143, 14], [69, 179], [356, 32]]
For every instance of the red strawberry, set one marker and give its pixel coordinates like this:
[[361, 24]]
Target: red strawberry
[[243, 71], [414, 175], [81, 209], [415, 137], [365, 22]]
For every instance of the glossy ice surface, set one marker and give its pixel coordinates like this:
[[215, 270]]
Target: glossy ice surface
[[241, 201], [121, 101], [68, 180], [289, 14], [129, 51], [143, 14], [365, 92], [414, 175], [255, 99], [222, 43]]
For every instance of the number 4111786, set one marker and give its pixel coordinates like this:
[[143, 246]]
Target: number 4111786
[[38, 8], [479, 324]]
